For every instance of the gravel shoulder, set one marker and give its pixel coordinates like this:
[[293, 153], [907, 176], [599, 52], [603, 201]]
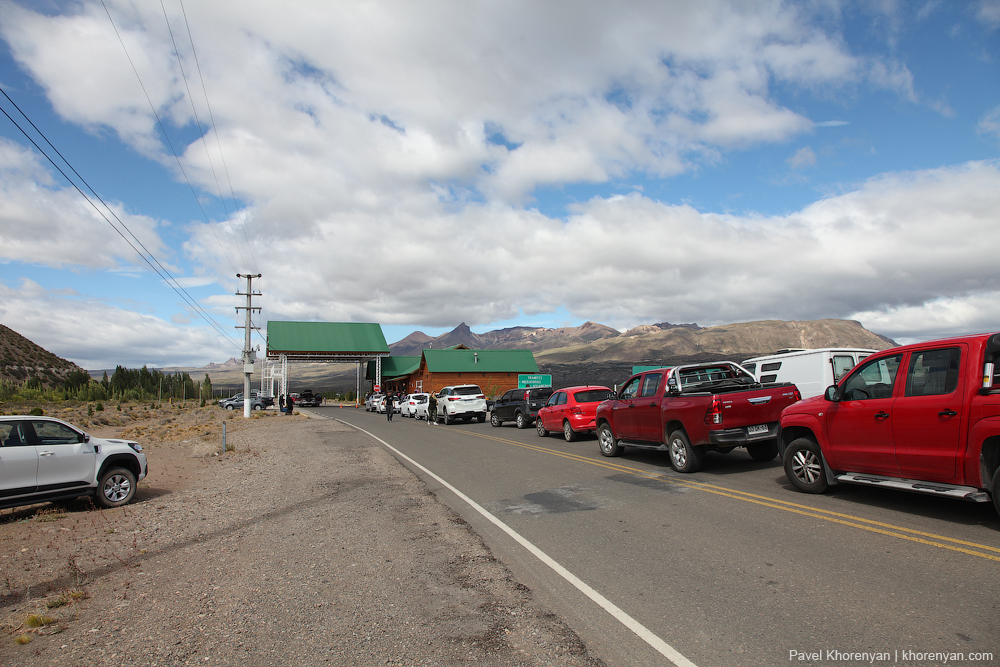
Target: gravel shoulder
[[309, 544]]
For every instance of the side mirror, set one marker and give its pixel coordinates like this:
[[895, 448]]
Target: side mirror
[[832, 394]]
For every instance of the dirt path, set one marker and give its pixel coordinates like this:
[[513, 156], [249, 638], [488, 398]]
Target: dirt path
[[308, 545]]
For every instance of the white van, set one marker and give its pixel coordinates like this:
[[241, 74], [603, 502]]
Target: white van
[[812, 371]]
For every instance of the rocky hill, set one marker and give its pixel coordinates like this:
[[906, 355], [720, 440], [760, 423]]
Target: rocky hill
[[515, 338], [20, 359], [610, 360]]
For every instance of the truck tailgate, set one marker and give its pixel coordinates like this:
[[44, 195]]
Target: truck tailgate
[[756, 409]]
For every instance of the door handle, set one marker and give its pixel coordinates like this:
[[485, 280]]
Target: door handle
[[881, 415], [46, 453], [947, 413]]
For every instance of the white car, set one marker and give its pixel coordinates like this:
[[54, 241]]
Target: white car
[[461, 401], [46, 459], [417, 405], [371, 403]]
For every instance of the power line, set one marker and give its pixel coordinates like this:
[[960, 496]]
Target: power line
[[218, 141], [167, 139], [162, 272], [197, 120]]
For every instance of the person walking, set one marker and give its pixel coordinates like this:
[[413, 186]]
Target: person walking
[[432, 409], [388, 407]]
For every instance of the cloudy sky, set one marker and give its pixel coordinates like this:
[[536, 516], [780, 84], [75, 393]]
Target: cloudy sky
[[422, 164]]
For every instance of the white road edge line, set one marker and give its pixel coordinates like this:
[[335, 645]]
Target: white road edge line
[[662, 647]]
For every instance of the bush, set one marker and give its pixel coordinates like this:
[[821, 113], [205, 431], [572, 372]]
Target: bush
[[36, 412], [99, 407]]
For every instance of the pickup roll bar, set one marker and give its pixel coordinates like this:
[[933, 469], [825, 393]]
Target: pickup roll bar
[[992, 352]]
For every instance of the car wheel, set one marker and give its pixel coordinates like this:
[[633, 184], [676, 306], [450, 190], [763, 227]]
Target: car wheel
[[609, 445], [520, 420], [540, 428], [684, 457], [995, 489], [763, 451], [495, 419], [255, 408], [804, 466], [230, 407], [116, 487], [568, 432], [446, 418], [481, 417]]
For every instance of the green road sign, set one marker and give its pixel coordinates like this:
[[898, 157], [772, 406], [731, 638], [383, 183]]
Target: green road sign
[[526, 381]]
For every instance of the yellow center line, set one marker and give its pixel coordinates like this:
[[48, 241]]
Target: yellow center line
[[870, 525]]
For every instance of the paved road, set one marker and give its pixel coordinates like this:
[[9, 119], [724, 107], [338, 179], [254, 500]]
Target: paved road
[[728, 566]]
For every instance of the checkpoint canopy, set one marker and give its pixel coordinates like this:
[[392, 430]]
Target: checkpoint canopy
[[325, 341]]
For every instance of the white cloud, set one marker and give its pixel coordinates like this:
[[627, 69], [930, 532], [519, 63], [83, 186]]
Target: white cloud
[[988, 13], [51, 225], [392, 94], [79, 327], [990, 123], [804, 157]]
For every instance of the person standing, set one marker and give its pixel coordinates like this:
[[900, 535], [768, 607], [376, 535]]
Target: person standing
[[432, 409], [289, 404]]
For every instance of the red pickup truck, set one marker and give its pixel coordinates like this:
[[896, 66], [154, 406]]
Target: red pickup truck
[[923, 418], [686, 410]]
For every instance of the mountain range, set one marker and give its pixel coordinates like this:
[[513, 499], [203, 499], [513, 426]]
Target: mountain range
[[591, 353]]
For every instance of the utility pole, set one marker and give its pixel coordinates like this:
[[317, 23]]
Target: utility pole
[[249, 356]]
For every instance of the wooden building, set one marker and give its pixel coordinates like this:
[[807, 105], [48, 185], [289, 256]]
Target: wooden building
[[495, 371]]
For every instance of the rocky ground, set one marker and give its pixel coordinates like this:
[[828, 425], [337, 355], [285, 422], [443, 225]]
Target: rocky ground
[[306, 544]]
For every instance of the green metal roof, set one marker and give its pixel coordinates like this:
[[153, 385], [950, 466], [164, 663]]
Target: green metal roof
[[481, 361], [393, 367], [318, 339]]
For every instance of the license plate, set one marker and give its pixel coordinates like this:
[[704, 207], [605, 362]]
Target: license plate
[[759, 429]]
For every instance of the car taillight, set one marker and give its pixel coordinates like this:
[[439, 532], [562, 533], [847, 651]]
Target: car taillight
[[797, 394], [454, 398], [714, 414], [526, 394], [576, 410], [483, 396]]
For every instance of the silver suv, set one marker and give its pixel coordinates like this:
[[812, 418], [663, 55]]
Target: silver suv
[[463, 400], [44, 459]]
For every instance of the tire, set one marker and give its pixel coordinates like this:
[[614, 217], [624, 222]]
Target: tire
[[481, 418], [763, 451], [116, 487], [608, 442], [568, 432], [446, 418], [230, 408], [520, 420], [995, 489], [255, 408], [684, 457], [804, 466], [495, 420], [540, 428]]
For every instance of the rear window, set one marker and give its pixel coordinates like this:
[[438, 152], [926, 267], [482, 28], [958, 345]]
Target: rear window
[[542, 392], [470, 390], [420, 399], [593, 395]]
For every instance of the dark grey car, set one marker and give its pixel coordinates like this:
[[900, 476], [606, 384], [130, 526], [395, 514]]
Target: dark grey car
[[519, 406]]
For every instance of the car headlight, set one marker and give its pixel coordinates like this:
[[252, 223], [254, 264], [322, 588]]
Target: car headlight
[[136, 446]]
